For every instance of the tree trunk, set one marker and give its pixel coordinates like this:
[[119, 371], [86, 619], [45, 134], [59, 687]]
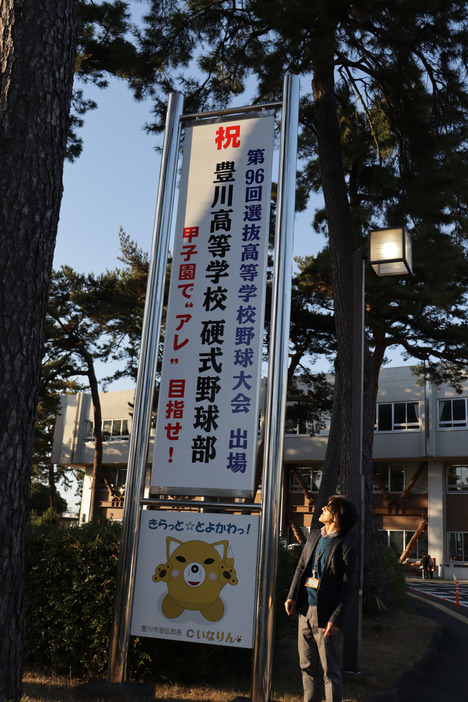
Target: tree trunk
[[339, 227], [37, 56], [342, 263], [330, 474]]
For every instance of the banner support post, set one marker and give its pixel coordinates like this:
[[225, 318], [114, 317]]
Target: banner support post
[[139, 438], [276, 398]]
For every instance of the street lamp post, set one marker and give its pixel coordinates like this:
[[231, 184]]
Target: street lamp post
[[390, 254]]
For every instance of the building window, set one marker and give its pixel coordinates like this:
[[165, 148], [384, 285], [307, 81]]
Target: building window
[[420, 486], [311, 477], [457, 478], [452, 414], [397, 416], [298, 426], [112, 430], [117, 477], [398, 540], [458, 545], [396, 477]]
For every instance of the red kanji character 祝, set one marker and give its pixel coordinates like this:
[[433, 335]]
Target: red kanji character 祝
[[228, 136]]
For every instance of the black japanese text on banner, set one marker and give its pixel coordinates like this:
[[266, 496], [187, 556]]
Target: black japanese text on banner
[[207, 422]]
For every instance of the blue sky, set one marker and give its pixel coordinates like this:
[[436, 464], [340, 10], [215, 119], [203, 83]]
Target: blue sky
[[112, 184]]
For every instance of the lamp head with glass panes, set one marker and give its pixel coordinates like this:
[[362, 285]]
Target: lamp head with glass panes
[[390, 252]]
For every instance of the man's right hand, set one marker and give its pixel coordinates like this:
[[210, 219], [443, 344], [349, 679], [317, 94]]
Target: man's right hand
[[290, 606]]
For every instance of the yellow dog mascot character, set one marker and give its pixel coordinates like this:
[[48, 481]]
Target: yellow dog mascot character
[[195, 574]]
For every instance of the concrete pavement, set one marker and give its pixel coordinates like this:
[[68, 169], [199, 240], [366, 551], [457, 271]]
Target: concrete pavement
[[441, 674]]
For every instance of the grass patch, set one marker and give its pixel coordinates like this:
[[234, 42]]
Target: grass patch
[[391, 643]]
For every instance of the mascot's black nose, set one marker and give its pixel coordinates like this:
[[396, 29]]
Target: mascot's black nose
[[194, 569]]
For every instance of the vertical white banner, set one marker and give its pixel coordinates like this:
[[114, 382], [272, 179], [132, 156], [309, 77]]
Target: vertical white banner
[[207, 421], [196, 578]]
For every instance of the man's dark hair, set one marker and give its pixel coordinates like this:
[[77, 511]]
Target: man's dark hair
[[343, 511]]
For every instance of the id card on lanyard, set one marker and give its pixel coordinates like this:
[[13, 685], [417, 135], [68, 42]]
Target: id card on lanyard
[[314, 581]]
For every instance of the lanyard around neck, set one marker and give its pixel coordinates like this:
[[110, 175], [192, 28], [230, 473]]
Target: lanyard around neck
[[317, 556]]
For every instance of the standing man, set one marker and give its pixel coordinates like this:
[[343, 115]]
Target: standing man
[[320, 591], [425, 566]]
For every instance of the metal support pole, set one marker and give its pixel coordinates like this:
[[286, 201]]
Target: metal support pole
[[353, 630], [276, 399], [139, 439]]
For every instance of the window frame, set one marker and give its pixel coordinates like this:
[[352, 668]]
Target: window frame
[[451, 424], [117, 476], [408, 469], [112, 437], [398, 427], [461, 489], [464, 545], [407, 535], [299, 427], [294, 487]]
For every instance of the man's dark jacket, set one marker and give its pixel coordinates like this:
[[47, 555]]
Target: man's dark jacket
[[336, 584]]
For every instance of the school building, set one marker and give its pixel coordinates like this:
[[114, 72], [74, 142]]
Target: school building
[[420, 465]]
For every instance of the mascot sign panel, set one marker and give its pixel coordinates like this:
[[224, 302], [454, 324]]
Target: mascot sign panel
[[207, 420], [196, 578]]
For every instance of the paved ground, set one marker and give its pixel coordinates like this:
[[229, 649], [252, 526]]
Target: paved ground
[[442, 590], [444, 678]]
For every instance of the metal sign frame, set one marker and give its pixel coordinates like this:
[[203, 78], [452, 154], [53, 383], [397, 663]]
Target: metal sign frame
[[270, 507]]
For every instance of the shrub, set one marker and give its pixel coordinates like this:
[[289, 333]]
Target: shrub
[[70, 593], [395, 576], [39, 499], [372, 601]]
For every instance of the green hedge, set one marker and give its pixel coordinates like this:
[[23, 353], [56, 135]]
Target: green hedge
[[395, 576], [70, 594]]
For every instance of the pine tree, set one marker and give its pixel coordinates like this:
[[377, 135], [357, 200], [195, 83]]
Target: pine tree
[[37, 46]]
